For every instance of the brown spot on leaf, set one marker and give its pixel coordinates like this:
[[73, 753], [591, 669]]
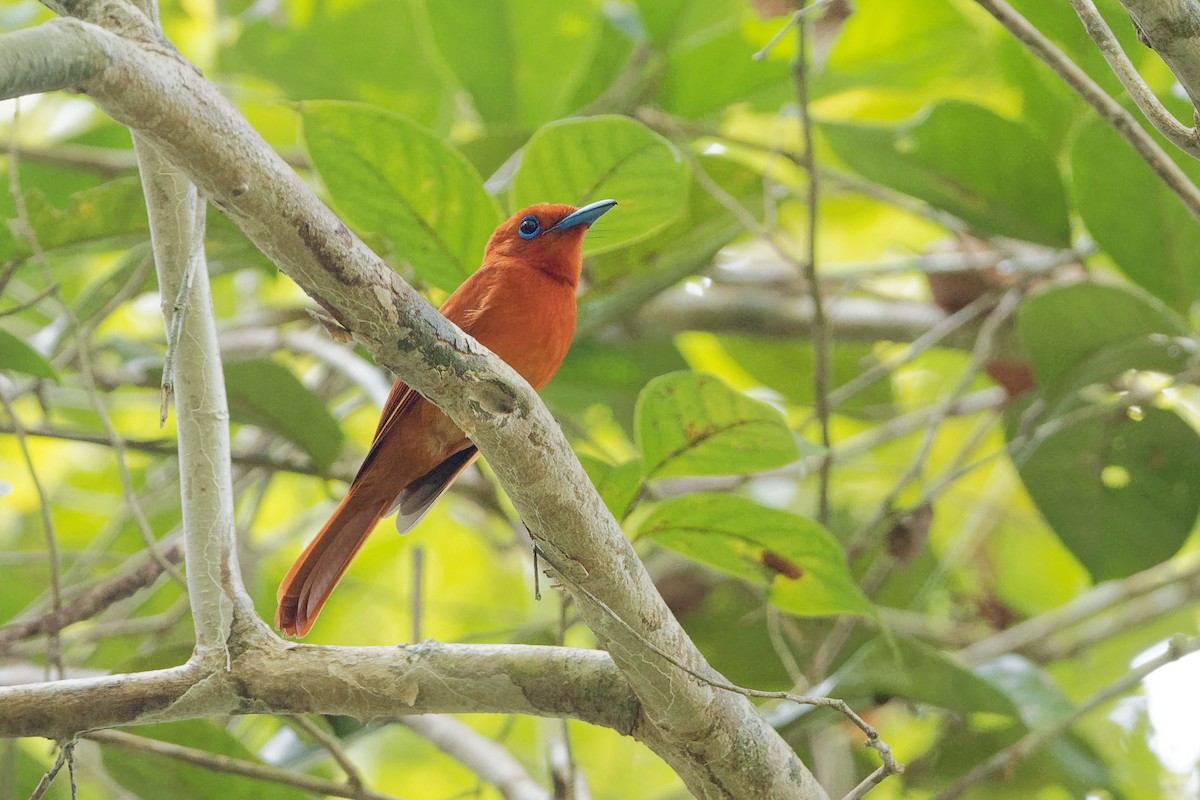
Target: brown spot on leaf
[[781, 565]]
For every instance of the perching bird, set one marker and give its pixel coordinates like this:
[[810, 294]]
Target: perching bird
[[521, 306]]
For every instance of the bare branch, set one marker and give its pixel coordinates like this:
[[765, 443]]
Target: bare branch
[[216, 762], [362, 682], [1172, 28], [1185, 138], [1109, 109]]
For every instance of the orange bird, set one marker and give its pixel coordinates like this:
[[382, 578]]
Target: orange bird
[[521, 306]]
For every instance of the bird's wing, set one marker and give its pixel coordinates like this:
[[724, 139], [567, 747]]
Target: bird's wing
[[420, 495]]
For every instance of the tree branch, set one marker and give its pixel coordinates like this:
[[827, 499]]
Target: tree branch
[[271, 676], [1108, 108], [1172, 28], [1185, 138]]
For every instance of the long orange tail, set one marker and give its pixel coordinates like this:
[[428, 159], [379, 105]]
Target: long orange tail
[[313, 577]]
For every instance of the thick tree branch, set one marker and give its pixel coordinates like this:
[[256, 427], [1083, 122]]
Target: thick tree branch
[[272, 676], [717, 742], [210, 548]]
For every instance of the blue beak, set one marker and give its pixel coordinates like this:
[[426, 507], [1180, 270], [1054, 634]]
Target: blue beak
[[586, 215]]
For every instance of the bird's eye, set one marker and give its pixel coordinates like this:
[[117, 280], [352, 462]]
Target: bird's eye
[[529, 228]]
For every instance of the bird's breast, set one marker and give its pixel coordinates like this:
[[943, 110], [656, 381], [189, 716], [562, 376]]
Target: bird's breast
[[528, 320]]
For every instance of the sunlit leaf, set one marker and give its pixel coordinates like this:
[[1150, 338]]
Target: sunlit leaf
[[799, 560], [522, 62], [17, 356], [689, 423], [578, 161], [392, 177]]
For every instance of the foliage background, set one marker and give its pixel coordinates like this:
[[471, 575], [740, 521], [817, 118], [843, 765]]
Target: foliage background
[[943, 145]]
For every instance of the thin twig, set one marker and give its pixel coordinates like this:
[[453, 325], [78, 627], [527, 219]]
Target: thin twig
[[33, 301], [821, 339], [1178, 134], [166, 447], [1010, 756], [235, 766], [1108, 108], [794, 19], [174, 331], [138, 575], [53, 646], [66, 755], [331, 744]]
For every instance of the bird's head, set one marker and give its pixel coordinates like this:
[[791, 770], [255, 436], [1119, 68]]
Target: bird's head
[[547, 236]]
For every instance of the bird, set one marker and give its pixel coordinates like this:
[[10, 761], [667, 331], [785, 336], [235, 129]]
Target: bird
[[520, 304]]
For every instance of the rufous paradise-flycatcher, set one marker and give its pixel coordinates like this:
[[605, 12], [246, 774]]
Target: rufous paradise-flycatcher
[[521, 305]]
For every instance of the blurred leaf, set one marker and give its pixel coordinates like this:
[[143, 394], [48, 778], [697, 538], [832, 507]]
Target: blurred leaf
[[392, 177], [302, 47], [98, 294], [1094, 332], [689, 423], [17, 356], [991, 172], [1136, 219], [709, 62], [685, 247], [801, 562], [522, 62], [787, 367], [267, 394], [149, 775], [112, 209], [578, 161], [618, 484], [598, 373], [1120, 491], [917, 672]]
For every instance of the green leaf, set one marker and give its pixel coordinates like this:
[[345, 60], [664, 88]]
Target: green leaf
[[764, 359], [390, 176], [394, 64], [1138, 221], [709, 63], [97, 295], [578, 161], [799, 560], [1090, 331], [522, 61], [915, 671], [689, 423], [112, 209], [618, 484], [1119, 491], [149, 775], [17, 356], [267, 394], [991, 172]]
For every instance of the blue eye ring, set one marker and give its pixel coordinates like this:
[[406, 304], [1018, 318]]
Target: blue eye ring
[[529, 227]]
